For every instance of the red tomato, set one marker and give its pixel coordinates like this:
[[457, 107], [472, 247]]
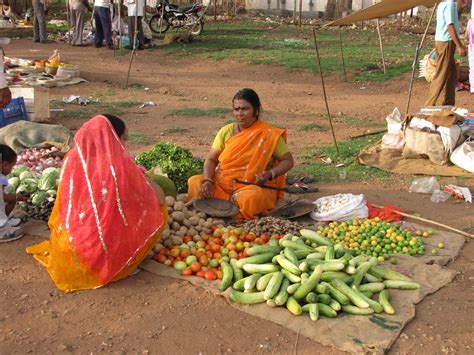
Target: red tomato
[[250, 237], [204, 260], [195, 267], [187, 238], [200, 273], [233, 254], [204, 268], [163, 251], [259, 241], [217, 256], [245, 253], [209, 254], [219, 274], [184, 253], [215, 248], [265, 237], [230, 246], [213, 228], [160, 258], [199, 254], [210, 275], [174, 252], [187, 272]]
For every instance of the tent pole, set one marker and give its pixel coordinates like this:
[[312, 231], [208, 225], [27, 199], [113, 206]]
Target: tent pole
[[215, 10], [68, 19], [417, 54], [381, 47], [342, 55], [120, 25], [134, 46], [300, 22], [324, 89], [294, 13]]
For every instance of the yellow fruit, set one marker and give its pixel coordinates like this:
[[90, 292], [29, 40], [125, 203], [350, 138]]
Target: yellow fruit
[[425, 234], [412, 242], [381, 259], [419, 233], [405, 249], [440, 245]]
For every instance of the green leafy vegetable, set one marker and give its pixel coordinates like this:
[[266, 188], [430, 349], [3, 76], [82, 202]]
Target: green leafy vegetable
[[177, 162]]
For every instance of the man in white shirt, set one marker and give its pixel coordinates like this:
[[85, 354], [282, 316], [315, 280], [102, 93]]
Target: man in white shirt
[[103, 24], [39, 29], [5, 94], [447, 39], [135, 9]]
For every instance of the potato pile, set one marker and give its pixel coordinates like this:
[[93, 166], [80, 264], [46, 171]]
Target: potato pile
[[183, 221], [271, 225]]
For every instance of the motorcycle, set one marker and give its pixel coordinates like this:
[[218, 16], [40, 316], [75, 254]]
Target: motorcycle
[[171, 15]]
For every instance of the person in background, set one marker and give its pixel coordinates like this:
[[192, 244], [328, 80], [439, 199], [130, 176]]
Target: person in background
[[135, 10], [39, 22], [443, 86], [9, 229], [470, 46], [5, 94], [78, 10], [103, 24]]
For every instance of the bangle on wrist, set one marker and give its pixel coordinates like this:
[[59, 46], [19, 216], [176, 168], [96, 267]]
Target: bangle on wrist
[[210, 180]]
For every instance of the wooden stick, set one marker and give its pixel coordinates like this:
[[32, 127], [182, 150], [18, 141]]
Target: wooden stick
[[294, 13], [300, 22], [134, 47], [381, 47], [417, 54], [215, 10], [368, 134], [431, 222], [342, 56], [68, 19], [324, 89]]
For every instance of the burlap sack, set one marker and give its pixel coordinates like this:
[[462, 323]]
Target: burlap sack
[[424, 145]]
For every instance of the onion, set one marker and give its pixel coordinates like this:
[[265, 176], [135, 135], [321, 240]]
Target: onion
[[53, 149], [39, 167], [19, 160], [50, 162], [37, 155]]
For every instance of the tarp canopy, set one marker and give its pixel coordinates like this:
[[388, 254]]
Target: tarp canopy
[[382, 9]]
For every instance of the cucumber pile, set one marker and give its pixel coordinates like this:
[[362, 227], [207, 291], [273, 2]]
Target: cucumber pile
[[321, 279]]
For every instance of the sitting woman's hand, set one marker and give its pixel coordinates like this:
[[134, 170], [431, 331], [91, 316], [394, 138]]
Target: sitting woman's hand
[[206, 189], [264, 177]]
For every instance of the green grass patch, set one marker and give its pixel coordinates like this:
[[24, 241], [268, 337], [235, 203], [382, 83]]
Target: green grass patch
[[139, 137], [293, 48], [139, 86], [311, 127], [97, 95], [348, 151], [56, 27], [126, 103], [175, 130], [360, 122], [192, 111], [92, 109], [82, 113]]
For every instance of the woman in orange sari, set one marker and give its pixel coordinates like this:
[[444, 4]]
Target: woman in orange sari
[[249, 150], [107, 215]]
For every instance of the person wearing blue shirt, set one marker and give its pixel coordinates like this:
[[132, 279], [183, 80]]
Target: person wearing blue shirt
[[443, 85]]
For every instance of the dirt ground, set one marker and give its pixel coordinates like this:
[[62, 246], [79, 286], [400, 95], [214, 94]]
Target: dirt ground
[[150, 314]]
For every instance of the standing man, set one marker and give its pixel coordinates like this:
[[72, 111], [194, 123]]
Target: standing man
[[39, 28], [103, 24], [442, 87], [78, 13], [135, 11]]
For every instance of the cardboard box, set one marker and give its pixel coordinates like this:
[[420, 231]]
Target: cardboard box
[[36, 101]]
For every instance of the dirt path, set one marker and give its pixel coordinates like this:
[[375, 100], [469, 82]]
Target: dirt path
[[149, 314]]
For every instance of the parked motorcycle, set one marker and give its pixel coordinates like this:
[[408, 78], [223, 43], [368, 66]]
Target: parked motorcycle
[[171, 15]]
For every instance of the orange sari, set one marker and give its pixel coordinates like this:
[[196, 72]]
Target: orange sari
[[245, 155], [106, 217]]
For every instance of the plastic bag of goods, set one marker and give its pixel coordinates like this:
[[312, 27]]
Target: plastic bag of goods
[[340, 207]]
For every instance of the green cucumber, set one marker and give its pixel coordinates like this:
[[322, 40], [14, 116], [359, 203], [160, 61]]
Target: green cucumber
[[371, 278], [292, 288], [296, 246], [247, 298], [293, 306], [262, 249], [262, 282], [327, 265], [260, 268], [315, 256], [351, 270], [282, 295], [290, 255], [372, 287], [323, 298], [300, 254], [309, 285], [356, 261], [315, 237], [387, 274], [330, 253], [271, 303], [227, 276], [303, 266], [326, 311], [339, 251], [377, 307], [335, 305], [288, 265], [292, 277], [384, 300], [237, 272], [304, 277], [239, 284], [313, 312], [274, 285], [311, 297], [321, 249], [337, 295], [354, 297], [251, 281], [368, 294], [256, 259], [321, 288], [329, 275], [305, 307], [362, 269], [357, 311], [402, 285]]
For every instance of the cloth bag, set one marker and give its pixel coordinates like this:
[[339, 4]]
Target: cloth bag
[[424, 144], [463, 156]]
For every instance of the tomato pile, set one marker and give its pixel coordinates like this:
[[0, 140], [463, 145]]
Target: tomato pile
[[203, 258], [375, 237]]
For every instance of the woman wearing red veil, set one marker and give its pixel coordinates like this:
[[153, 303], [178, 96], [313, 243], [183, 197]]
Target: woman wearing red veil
[[107, 215]]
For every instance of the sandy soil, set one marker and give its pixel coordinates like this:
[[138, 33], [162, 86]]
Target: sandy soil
[[149, 314]]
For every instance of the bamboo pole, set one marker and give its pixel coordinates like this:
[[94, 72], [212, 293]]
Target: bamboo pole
[[324, 89], [417, 54], [294, 12], [68, 19], [342, 56], [431, 222], [134, 47], [215, 10], [300, 22], [120, 24], [381, 47]]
